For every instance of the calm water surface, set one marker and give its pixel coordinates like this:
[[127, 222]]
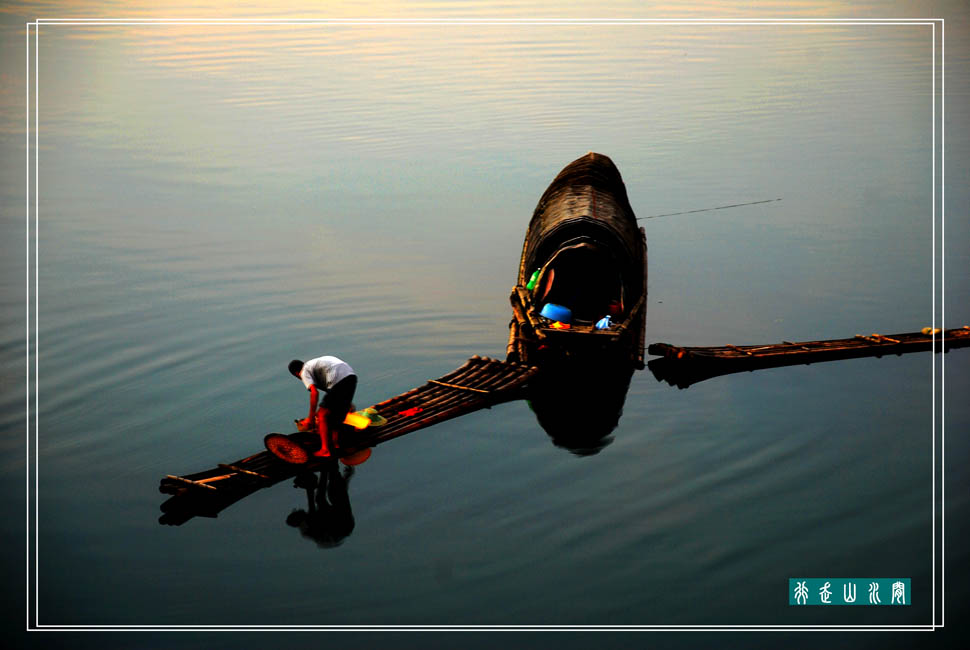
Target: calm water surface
[[216, 200]]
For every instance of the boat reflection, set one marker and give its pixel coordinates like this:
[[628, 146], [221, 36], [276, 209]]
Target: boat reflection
[[580, 404]]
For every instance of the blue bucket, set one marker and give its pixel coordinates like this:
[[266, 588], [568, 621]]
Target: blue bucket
[[556, 312]]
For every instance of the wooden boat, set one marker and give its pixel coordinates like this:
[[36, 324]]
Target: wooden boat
[[586, 257]]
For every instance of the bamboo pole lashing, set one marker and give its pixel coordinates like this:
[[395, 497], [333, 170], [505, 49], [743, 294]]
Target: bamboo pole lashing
[[443, 397], [886, 338], [201, 483], [242, 470], [436, 388], [447, 385]]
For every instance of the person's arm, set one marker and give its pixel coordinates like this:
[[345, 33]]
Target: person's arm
[[305, 425], [313, 402]]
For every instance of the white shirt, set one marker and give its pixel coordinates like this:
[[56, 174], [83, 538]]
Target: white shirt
[[324, 372]]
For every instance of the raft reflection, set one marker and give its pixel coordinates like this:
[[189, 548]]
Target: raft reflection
[[328, 519]]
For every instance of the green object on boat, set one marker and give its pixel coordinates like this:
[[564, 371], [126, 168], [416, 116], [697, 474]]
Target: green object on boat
[[376, 419], [532, 281]]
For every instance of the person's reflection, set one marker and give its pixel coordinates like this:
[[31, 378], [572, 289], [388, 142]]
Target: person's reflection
[[328, 519]]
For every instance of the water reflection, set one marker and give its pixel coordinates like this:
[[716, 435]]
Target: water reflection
[[328, 519], [579, 406]]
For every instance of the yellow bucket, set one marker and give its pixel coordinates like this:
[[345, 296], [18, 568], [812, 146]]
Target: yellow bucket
[[357, 421]]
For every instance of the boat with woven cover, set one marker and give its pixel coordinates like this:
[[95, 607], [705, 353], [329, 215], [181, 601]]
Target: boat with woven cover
[[582, 283]]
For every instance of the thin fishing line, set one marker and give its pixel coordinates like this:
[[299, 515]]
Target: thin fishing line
[[720, 207]]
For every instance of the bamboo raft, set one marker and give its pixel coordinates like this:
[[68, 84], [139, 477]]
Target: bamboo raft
[[480, 383], [683, 366]]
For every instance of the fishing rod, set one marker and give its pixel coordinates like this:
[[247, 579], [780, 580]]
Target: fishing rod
[[720, 207]]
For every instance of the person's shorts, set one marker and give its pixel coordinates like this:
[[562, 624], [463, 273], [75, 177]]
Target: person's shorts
[[337, 400]]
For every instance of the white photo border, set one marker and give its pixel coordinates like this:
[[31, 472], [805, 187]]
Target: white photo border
[[32, 342]]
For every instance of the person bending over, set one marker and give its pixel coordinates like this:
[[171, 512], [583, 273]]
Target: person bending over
[[338, 381]]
